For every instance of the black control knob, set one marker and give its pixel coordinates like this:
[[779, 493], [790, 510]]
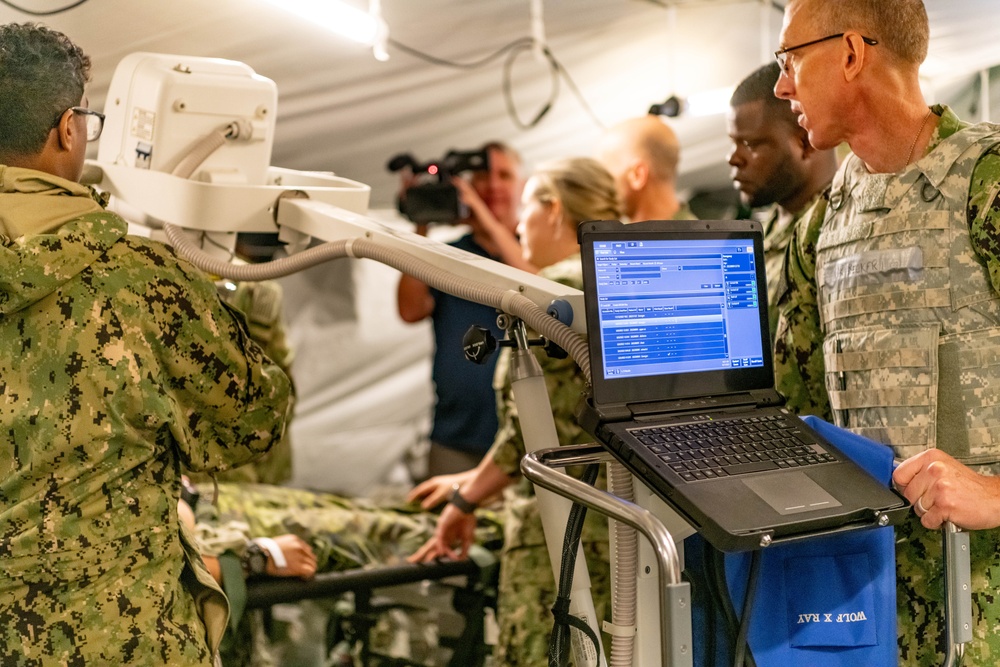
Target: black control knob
[[478, 344]]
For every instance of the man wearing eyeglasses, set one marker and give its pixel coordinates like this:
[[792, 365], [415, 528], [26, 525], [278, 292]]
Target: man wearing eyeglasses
[[118, 365], [905, 280]]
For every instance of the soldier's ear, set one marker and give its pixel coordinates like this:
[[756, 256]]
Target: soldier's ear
[[637, 175]]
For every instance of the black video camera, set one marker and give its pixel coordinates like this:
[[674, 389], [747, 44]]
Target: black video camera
[[433, 198]]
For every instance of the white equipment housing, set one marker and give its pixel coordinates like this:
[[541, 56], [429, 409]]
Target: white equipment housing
[[159, 110], [159, 106]]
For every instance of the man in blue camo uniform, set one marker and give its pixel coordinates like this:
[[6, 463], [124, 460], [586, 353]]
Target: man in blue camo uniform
[[118, 366], [904, 284]]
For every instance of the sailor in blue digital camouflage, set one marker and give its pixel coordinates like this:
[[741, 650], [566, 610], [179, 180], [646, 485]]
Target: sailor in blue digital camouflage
[[118, 366], [907, 274]]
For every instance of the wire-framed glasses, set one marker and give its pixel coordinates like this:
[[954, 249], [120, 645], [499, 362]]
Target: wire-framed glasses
[[781, 55]]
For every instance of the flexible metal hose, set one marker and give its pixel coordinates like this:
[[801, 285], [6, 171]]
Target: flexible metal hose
[[626, 560], [505, 300]]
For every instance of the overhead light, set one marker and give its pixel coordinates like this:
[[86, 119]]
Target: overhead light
[[709, 102], [381, 38], [336, 15]]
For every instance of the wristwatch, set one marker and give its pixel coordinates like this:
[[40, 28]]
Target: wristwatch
[[459, 501], [254, 560]]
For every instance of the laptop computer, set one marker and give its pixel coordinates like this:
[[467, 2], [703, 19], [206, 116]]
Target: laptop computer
[[683, 388]]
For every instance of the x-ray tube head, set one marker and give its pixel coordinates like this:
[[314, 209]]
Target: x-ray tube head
[[160, 106]]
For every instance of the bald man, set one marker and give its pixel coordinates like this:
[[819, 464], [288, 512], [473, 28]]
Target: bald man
[[642, 154]]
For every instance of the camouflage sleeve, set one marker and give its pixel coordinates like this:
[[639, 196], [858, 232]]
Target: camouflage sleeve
[[798, 341], [563, 380], [984, 212], [261, 304], [508, 446], [344, 533], [229, 400]]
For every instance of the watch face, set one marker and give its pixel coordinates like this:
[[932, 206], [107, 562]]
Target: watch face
[[256, 560]]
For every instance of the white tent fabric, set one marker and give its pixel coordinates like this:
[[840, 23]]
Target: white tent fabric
[[340, 110]]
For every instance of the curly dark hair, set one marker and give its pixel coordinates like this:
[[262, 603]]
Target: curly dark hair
[[42, 73]]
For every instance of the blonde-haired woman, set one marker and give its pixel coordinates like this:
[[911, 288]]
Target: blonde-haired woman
[[557, 198]]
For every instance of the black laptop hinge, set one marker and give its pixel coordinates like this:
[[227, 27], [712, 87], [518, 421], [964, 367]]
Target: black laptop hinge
[[750, 399]]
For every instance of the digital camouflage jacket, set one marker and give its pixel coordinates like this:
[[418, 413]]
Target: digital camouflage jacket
[[118, 364]]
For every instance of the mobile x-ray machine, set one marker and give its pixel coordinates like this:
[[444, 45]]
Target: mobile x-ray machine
[[187, 148]]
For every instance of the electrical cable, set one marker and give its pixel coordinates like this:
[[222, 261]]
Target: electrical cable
[[559, 640], [508, 94], [579, 95], [719, 591], [512, 50], [475, 64], [742, 651], [702, 595], [50, 12]]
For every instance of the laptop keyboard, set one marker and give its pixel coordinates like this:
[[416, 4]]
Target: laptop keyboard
[[710, 449]]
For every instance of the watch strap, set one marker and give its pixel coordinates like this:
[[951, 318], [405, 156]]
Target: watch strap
[[272, 548], [458, 500]]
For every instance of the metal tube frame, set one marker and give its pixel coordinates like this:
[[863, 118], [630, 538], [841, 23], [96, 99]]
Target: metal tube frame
[[958, 593], [675, 611]]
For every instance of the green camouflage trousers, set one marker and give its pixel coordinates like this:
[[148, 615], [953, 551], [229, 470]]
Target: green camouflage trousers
[[920, 597]]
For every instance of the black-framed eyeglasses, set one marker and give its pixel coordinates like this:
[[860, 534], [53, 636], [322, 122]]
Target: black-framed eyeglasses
[[95, 121], [781, 55]]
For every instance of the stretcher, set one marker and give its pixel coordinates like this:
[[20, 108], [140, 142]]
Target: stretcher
[[472, 585]]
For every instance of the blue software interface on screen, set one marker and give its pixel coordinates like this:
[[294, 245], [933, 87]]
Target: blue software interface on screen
[[677, 306]]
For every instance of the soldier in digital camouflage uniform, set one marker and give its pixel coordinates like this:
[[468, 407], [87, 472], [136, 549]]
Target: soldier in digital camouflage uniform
[[799, 371], [559, 194], [119, 366], [778, 173], [905, 276]]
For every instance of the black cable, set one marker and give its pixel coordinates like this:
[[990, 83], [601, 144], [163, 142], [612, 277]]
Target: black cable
[[508, 95], [701, 594], [742, 651], [716, 566], [512, 50], [50, 12], [475, 64], [559, 642]]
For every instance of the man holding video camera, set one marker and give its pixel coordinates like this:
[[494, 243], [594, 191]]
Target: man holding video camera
[[465, 419]]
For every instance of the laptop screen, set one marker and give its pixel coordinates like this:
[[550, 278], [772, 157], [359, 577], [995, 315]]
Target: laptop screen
[[675, 310]]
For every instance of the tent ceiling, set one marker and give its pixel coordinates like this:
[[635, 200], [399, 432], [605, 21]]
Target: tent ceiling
[[342, 111]]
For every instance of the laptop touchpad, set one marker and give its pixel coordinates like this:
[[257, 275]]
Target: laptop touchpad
[[791, 493]]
